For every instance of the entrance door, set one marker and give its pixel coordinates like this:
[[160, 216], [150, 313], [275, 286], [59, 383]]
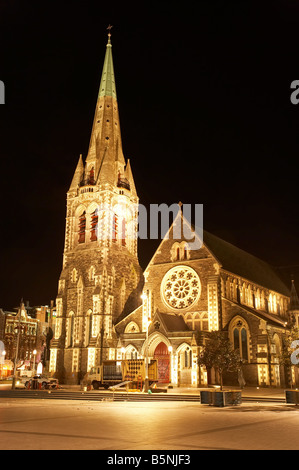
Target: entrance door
[[161, 354]]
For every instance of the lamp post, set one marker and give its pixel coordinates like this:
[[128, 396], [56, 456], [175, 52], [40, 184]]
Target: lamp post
[[34, 355], [19, 327]]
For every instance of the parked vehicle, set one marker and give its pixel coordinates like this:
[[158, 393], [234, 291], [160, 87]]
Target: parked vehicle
[[42, 380], [114, 372]]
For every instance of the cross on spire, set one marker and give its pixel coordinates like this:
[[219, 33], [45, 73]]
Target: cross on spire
[[109, 31]]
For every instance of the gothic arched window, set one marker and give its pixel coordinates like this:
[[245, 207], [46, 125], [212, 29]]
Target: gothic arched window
[[91, 176], [188, 358], [74, 275], [82, 227], [88, 327], [70, 330], [91, 273], [197, 321], [239, 337]]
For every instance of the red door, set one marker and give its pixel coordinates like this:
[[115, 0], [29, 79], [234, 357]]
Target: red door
[[161, 354]]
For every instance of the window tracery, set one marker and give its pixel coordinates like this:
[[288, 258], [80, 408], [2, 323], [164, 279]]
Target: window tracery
[[239, 333], [197, 321], [132, 327], [74, 275], [181, 287], [180, 251]]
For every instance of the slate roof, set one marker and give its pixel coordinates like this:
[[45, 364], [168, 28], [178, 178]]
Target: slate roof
[[173, 322], [239, 262], [270, 318]]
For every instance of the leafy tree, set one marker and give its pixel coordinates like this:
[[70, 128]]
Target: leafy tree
[[219, 354]]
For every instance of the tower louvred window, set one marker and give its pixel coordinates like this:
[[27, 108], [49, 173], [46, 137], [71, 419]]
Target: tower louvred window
[[82, 227], [91, 176], [94, 224]]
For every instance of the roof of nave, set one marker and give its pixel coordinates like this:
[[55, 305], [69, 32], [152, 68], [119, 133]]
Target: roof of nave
[[239, 262], [270, 318]]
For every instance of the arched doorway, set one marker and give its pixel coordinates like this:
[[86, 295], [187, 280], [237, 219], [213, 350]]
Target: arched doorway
[[161, 355]]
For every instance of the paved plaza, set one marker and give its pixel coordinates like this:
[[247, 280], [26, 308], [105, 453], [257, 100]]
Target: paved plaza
[[106, 425]]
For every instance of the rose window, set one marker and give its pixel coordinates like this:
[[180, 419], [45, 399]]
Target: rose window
[[181, 287]]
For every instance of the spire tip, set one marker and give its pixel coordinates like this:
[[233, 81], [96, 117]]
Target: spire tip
[[109, 33]]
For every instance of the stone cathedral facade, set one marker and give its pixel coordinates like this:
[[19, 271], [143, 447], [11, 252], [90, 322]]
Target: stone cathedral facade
[[186, 292]]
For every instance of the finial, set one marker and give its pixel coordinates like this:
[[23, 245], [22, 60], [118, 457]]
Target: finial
[[109, 33]]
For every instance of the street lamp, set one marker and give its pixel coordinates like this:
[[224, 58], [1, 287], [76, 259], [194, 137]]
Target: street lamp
[[34, 354], [18, 328]]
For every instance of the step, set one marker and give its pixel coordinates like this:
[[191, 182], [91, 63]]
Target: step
[[63, 395], [117, 396]]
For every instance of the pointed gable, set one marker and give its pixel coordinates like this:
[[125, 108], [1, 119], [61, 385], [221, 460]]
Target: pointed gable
[[225, 255], [175, 242]]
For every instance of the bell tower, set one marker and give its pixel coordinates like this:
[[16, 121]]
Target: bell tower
[[101, 278]]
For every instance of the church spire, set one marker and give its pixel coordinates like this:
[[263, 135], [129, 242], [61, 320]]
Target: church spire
[[107, 85], [105, 153]]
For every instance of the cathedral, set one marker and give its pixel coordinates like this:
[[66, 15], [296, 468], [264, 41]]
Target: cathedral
[[107, 308]]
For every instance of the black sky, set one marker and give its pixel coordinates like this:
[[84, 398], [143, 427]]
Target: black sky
[[204, 99]]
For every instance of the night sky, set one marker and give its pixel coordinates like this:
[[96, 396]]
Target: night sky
[[204, 99]]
